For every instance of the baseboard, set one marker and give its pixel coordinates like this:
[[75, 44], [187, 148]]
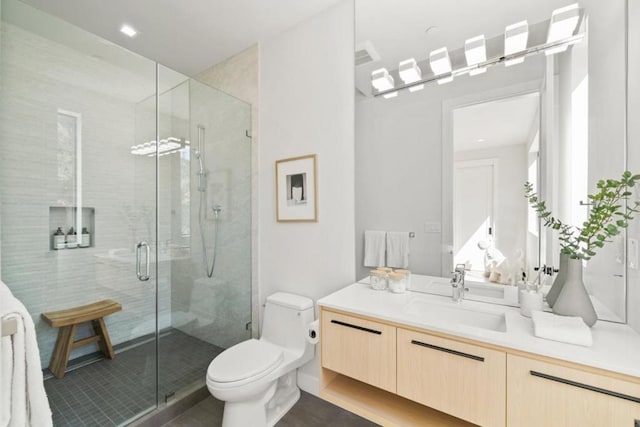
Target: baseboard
[[309, 383]]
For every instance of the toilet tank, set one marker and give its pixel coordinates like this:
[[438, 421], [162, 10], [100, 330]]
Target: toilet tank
[[285, 321]]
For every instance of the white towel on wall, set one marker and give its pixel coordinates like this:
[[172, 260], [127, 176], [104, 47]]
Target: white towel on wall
[[23, 401], [569, 329], [374, 248], [398, 249]]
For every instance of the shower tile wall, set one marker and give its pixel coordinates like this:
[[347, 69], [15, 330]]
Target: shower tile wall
[[217, 310], [40, 77]]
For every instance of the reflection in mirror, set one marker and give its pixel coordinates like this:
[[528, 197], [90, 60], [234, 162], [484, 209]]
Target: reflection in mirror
[[466, 202], [495, 149]]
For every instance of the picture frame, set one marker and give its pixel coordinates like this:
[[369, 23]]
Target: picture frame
[[297, 189]]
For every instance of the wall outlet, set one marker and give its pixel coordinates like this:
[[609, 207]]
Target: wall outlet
[[432, 227], [632, 256]]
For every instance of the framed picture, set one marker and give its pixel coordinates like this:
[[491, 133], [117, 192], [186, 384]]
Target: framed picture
[[296, 189]]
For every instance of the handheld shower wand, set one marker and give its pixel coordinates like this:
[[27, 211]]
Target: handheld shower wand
[[202, 189], [202, 175]]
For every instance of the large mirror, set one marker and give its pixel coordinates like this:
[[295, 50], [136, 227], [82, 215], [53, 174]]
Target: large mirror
[[448, 160]]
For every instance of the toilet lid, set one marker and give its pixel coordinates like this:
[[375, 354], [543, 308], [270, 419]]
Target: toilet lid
[[245, 360]]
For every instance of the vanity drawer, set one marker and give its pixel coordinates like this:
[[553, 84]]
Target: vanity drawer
[[544, 394], [360, 349], [463, 380]]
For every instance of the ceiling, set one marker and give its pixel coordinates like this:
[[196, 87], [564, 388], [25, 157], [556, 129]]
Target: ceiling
[[188, 36], [498, 123]]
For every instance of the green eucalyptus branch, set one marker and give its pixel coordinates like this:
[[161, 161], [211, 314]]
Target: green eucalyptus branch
[[611, 212]]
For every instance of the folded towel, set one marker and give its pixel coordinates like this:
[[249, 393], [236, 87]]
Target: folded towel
[[23, 401], [374, 248], [398, 249], [567, 329]]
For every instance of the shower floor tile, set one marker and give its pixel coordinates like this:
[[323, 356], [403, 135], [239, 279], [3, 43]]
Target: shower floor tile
[[110, 392]]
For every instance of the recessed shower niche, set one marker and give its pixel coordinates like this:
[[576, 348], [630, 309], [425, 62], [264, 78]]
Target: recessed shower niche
[[66, 220]]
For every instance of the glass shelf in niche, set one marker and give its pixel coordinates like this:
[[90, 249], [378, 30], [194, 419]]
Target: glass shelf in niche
[[71, 227]]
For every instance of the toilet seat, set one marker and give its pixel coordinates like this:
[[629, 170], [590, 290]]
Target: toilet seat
[[245, 362]]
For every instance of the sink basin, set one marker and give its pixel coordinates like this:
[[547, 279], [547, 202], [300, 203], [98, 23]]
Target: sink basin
[[430, 312]]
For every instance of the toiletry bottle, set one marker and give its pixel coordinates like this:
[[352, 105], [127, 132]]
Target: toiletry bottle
[[72, 239], [85, 241], [58, 239]]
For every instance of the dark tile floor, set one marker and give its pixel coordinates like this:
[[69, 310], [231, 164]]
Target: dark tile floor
[[309, 411], [110, 392]]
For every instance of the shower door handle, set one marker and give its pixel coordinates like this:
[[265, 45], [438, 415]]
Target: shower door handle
[[142, 277]]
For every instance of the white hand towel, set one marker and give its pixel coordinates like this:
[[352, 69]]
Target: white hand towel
[[567, 329], [23, 401], [374, 248], [398, 249]]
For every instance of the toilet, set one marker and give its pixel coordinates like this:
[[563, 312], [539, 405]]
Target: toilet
[[257, 378]]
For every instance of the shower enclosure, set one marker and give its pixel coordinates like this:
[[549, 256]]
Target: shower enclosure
[[79, 121]]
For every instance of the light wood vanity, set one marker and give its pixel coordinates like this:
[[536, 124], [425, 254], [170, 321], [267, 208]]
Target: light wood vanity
[[398, 374]]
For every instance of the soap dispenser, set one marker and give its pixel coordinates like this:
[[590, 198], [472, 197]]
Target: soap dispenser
[[85, 240], [58, 239], [72, 239]]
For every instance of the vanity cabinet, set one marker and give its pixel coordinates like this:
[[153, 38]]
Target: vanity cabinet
[[464, 380], [360, 349], [546, 394], [397, 375]]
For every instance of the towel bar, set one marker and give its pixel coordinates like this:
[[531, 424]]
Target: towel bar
[[9, 327]]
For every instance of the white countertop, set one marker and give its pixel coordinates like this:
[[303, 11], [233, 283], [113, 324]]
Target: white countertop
[[616, 347]]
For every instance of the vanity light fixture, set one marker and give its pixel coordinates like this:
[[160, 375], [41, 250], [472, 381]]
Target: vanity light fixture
[[381, 80], [516, 37], [128, 30], [409, 71], [561, 26], [560, 34], [476, 53], [441, 64]]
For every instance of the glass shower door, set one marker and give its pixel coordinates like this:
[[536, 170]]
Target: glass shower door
[[205, 230], [78, 196]]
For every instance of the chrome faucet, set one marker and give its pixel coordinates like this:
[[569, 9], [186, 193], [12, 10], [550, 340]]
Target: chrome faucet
[[457, 283]]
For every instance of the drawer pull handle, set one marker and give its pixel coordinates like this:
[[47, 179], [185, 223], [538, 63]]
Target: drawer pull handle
[[360, 328], [448, 350], [585, 386]]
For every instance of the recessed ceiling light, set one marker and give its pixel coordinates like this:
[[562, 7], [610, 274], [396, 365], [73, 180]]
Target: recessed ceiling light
[[128, 30], [480, 140]]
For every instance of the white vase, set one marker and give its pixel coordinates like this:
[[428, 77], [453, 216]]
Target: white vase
[[556, 287], [573, 299]]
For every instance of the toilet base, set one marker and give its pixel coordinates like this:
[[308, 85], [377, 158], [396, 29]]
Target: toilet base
[[266, 410], [286, 395]]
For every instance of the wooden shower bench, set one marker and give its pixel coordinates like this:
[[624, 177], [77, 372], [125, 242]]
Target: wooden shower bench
[[68, 321]]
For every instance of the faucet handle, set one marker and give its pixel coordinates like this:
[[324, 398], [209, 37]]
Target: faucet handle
[[461, 268]]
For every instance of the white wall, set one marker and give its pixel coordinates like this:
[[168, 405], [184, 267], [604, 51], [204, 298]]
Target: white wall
[[307, 107], [633, 154]]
